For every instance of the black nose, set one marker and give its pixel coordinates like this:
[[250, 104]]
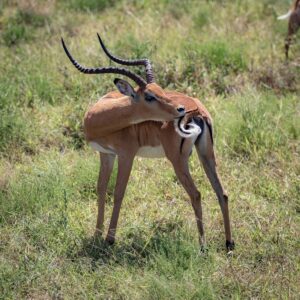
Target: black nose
[[180, 109]]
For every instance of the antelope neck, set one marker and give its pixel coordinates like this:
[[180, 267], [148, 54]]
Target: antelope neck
[[109, 115]]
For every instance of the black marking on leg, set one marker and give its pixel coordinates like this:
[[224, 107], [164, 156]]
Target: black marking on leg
[[225, 198], [200, 123], [110, 242], [230, 245], [181, 145], [210, 131], [203, 249]]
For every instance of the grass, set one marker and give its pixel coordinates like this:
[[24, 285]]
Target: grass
[[230, 55]]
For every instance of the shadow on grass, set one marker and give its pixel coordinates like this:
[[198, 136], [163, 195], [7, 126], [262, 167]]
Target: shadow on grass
[[138, 247], [119, 253]]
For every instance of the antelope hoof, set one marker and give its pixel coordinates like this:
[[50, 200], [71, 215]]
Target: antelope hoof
[[230, 245], [203, 250], [109, 240]]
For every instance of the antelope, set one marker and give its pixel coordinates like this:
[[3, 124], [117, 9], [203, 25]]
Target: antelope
[[149, 121], [294, 23]]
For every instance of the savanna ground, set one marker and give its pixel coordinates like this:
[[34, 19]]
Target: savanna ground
[[227, 53]]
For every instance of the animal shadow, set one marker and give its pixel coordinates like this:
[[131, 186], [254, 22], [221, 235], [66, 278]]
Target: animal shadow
[[137, 247]]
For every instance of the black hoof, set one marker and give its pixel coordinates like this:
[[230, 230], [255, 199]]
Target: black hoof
[[204, 249], [230, 245], [110, 242]]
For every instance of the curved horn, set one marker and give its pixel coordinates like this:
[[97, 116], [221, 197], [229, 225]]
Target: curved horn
[[135, 62], [139, 80]]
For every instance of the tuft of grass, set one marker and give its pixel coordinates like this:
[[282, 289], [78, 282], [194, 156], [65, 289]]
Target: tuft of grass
[[263, 125], [202, 17], [19, 27], [213, 64], [30, 17], [90, 6], [14, 130], [73, 126], [281, 78], [135, 47], [220, 55], [177, 8], [14, 33]]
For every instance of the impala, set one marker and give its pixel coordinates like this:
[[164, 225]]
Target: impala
[[149, 122], [293, 26]]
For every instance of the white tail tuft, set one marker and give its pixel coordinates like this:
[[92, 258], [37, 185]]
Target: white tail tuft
[[283, 17], [193, 131]]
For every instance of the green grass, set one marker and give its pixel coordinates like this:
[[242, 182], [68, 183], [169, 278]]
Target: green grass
[[230, 55], [90, 6]]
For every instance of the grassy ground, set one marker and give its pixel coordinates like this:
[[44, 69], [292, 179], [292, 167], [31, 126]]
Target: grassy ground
[[227, 53]]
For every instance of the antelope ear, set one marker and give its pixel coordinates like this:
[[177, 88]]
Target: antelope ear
[[125, 88]]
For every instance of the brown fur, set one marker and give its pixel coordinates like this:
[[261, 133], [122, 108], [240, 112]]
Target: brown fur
[[115, 111], [148, 133], [293, 26], [127, 141]]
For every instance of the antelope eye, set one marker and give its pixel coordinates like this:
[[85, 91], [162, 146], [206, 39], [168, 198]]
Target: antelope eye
[[149, 98]]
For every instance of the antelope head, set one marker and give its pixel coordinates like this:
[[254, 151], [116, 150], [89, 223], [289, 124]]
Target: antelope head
[[148, 100]]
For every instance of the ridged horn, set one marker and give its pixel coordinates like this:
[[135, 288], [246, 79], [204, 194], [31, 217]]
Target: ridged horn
[[137, 79], [135, 62]]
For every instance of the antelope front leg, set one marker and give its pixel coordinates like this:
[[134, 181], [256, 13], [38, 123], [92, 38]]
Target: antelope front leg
[[124, 169], [181, 168], [106, 167]]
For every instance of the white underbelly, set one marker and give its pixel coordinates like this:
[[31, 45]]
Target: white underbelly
[[146, 151], [151, 152], [101, 149]]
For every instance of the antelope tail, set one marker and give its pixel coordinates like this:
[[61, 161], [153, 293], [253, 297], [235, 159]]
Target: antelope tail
[[188, 130], [286, 16]]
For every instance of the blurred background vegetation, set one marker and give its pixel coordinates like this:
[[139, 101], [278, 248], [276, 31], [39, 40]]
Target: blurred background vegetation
[[229, 54]]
